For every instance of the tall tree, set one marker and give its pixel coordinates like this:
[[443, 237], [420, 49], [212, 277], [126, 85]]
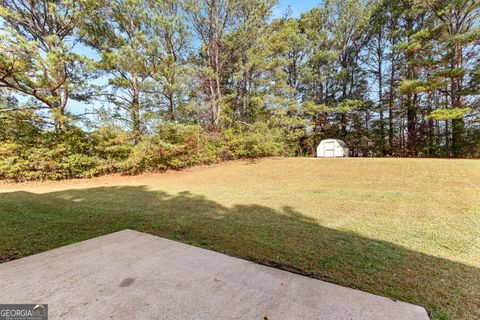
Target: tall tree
[[212, 20], [170, 43], [412, 22], [375, 58], [247, 51], [317, 74], [37, 57], [457, 38], [117, 32]]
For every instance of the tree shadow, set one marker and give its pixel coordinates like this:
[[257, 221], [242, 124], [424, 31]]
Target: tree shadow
[[31, 223]]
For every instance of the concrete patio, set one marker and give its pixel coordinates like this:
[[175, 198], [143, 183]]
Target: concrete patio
[[132, 275]]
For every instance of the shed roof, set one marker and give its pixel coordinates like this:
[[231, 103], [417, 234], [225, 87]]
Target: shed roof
[[343, 144]]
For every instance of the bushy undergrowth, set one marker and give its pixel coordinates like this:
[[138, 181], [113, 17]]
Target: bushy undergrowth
[[49, 155], [78, 154]]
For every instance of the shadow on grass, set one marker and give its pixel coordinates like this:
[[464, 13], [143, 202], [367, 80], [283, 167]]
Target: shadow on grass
[[31, 223]]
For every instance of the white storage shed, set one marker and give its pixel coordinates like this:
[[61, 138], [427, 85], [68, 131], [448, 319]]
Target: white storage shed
[[332, 148]]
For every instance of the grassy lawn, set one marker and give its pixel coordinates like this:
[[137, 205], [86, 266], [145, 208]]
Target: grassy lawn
[[408, 229]]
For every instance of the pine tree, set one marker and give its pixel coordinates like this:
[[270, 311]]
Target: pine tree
[[118, 32], [37, 57]]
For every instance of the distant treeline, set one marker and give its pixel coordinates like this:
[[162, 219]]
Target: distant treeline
[[390, 78]]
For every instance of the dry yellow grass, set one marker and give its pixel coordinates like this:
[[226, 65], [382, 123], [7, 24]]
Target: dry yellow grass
[[404, 228]]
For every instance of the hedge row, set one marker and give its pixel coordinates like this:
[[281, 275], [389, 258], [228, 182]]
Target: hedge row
[[78, 154]]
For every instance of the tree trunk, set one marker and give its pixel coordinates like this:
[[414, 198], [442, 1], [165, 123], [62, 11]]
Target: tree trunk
[[171, 107], [343, 117], [458, 131], [215, 64], [135, 115], [58, 107], [430, 126], [458, 125], [412, 149], [380, 93], [391, 95]]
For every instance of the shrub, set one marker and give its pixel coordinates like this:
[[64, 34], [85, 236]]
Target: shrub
[[172, 146], [113, 146], [52, 156], [111, 142], [76, 153], [249, 142]]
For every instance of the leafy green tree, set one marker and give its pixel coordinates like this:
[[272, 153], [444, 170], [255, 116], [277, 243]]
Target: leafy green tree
[[247, 49], [456, 36], [348, 22], [18, 127], [375, 58], [414, 55], [211, 20], [118, 32], [334, 83], [37, 57], [169, 39]]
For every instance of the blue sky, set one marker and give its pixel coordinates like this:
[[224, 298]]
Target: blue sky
[[296, 6]]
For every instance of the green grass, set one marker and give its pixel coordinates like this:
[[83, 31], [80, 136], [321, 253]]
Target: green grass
[[408, 229]]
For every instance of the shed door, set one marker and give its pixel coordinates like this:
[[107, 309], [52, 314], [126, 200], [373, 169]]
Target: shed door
[[330, 149]]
